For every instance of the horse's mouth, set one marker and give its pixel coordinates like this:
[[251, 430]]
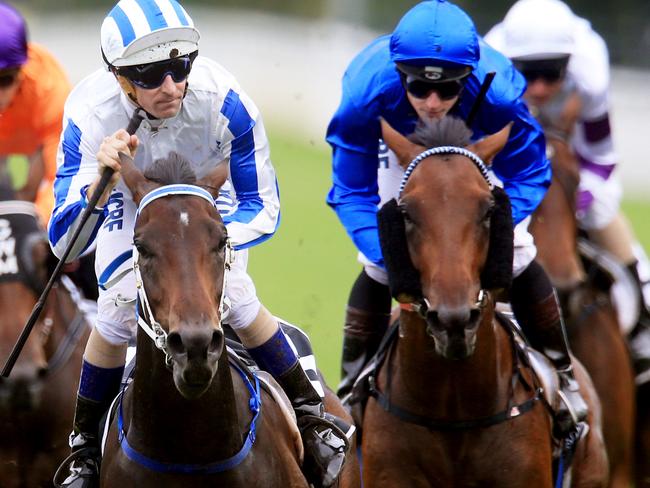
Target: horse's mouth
[[191, 391], [453, 346], [193, 383]]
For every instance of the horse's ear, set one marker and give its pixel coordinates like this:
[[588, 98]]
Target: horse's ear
[[215, 179], [404, 149], [134, 179], [489, 147]]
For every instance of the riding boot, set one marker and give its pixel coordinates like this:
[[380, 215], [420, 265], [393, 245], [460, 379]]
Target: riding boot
[[97, 388], [362, 334], [326, 444], [541, 320], [639, 337], [366, 321]]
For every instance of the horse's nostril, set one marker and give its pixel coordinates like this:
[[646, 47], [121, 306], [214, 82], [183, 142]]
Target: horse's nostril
[[42, 372], [432, 317], [175, 343], [217, 341], [474, 315]]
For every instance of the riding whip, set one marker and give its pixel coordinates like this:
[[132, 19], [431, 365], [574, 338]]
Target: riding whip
[[479, 98], [134, 123]]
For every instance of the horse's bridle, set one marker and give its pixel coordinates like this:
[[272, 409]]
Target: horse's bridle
[[441, 150], [149, 324], [423, 306]]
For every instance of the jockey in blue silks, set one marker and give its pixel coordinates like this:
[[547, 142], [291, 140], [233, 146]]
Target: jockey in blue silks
[[434, 64]]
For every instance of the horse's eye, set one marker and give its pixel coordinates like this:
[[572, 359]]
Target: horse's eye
[[487, 217], [144, 251], [221, 245]]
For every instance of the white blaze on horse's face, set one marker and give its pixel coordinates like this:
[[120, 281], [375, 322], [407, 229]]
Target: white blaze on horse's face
[[185, 219]]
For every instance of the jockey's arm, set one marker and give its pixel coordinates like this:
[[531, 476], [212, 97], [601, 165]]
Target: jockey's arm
[[354, 196], [257, 212], [76, 171]]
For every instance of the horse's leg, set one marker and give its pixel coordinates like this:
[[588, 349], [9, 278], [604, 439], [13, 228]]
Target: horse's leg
[[613, 379], [351, 474]]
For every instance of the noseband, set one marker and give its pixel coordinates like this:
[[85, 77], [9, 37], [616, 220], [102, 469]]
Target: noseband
[[149, 324]]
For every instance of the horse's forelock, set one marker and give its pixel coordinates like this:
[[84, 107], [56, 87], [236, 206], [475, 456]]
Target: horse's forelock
[[172, 169], [448, 131]]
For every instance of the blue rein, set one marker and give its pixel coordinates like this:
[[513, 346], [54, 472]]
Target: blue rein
[[255, 404]]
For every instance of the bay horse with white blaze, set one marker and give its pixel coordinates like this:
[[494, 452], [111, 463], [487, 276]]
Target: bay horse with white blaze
[[192, 416], [592, 323], [453, 403], [37, 399]]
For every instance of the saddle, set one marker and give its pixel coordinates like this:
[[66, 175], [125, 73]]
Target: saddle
[[607, 274]]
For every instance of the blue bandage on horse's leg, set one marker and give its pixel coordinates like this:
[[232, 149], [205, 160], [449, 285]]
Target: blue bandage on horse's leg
[[99, 384], [276, 355]]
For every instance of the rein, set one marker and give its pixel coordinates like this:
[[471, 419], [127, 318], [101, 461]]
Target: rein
[[255, 405], [73, 333], [149, 324]]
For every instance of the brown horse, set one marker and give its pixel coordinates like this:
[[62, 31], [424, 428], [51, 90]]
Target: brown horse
[[37, 400], [592, 323], [189, 418], [453, 405]]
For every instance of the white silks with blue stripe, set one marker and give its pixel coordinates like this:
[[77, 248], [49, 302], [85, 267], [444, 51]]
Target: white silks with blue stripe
[[146, 31]]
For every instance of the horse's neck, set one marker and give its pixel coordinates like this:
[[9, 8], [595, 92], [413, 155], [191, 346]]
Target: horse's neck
[[555, 231], [167, 426], [467, 388]]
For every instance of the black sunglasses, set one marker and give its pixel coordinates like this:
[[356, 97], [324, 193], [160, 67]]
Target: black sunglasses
[[150, 76], [549, 70], [446, 90], [8, 78]]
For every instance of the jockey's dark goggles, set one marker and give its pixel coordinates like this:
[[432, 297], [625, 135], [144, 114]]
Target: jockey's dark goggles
[[8, 77], [446, 90], [549, 70], [152, 75]]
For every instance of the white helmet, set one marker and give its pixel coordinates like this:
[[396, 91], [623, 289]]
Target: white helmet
[[146, 31], [539, 29]]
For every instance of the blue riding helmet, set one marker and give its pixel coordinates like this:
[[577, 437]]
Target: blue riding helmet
[[438, 34]]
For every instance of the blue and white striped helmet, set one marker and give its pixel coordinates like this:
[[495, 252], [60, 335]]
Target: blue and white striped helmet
[[146, 31]]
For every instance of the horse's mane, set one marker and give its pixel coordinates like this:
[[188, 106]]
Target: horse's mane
[[172, 169], [448, 131]]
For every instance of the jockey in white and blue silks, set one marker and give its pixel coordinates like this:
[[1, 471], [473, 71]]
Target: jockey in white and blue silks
[[434, 65], [566, 64], [197, 109]]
